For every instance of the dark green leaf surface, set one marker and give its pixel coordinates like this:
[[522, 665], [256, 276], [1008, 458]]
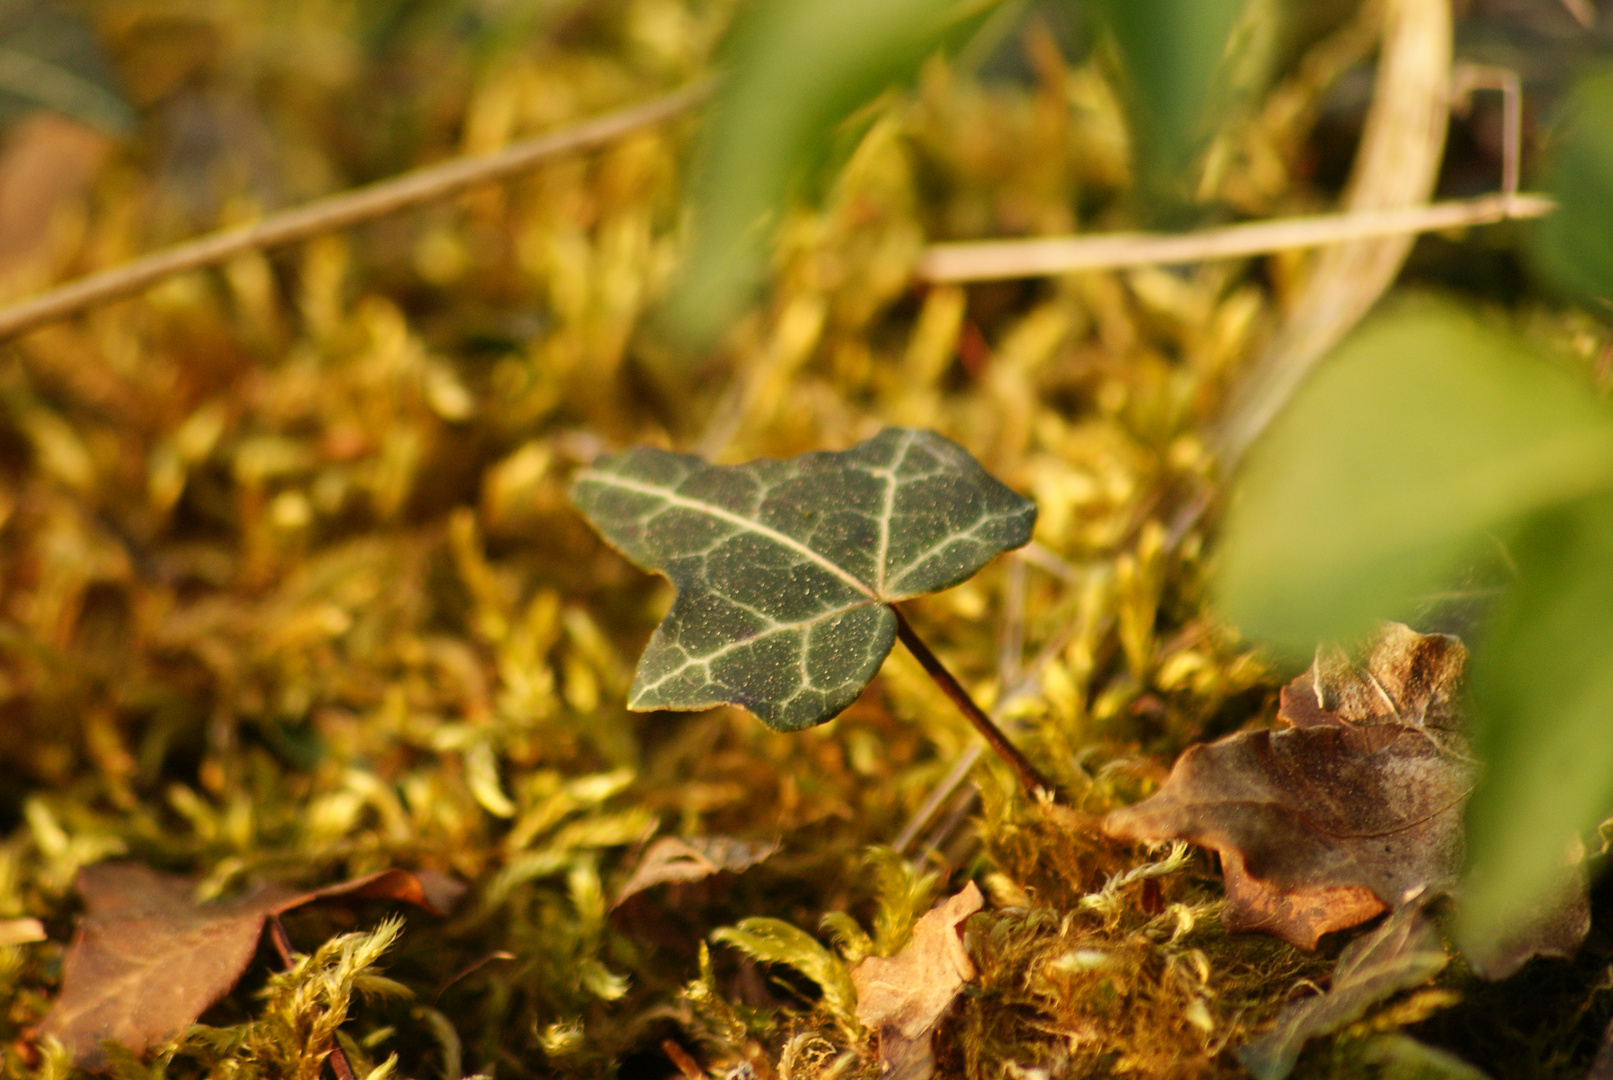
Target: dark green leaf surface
[[1426, 433], [785, 569]]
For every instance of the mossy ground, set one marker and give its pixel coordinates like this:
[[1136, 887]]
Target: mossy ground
[[289, 585]]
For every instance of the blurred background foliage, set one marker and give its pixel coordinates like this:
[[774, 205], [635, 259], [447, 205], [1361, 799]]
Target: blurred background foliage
[[289, 586]]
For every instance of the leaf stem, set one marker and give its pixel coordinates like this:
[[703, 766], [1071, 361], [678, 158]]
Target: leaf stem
[[282, 945], [1029, 776]]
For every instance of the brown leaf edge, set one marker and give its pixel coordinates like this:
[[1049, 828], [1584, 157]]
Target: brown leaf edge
[[1408, 686], [147, 960]]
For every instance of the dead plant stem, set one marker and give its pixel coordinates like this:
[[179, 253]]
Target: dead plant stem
[[421, 186], [991, 260], [1029, 777]]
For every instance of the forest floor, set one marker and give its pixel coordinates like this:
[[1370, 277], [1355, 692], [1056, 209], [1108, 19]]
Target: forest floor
[[291, 588]]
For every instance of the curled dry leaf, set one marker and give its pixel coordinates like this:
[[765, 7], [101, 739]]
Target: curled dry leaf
[[903, 997], [1355, 808], [672, 859], [148, 959], [1325, 825]]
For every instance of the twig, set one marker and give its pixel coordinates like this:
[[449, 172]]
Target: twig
[[1010, 658], [944, 830], [1031, 779], [1467, 78], [941, 793], [338, 211], [1010, 661], [1039, 556], [998, 259], [282, 945]]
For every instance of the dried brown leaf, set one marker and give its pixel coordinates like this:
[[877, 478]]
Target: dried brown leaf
[[1357, 807], [1254, 907], [1353, 810], [1553, 926], [672, 859], [904, 996], [148, 959]]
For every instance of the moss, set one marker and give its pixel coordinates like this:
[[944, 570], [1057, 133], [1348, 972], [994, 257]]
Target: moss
[[289, 586]]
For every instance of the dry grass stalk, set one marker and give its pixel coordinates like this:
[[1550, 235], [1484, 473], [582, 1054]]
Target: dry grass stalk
[[999, 259], [421, 186]]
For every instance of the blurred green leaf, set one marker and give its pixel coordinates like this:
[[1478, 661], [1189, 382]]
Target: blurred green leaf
[[51, 58], [1574, 246], [1404, 951], [1401, 1057], [1543, 682], [1425, 432], [1173, 57], [796, 68]]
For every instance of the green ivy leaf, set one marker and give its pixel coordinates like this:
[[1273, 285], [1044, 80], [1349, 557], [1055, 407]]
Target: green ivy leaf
[[786, 570], [1425, 434]]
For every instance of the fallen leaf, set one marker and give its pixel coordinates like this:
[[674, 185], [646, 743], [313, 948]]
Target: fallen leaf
[[1358, 806], [902, 997], [1354, 809], [1402, 953], [786, 570], [1255, 907], [148, 959], [672, 859], [20, 931]]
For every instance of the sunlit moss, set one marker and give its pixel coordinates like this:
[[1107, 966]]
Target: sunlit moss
[[290, 588]]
